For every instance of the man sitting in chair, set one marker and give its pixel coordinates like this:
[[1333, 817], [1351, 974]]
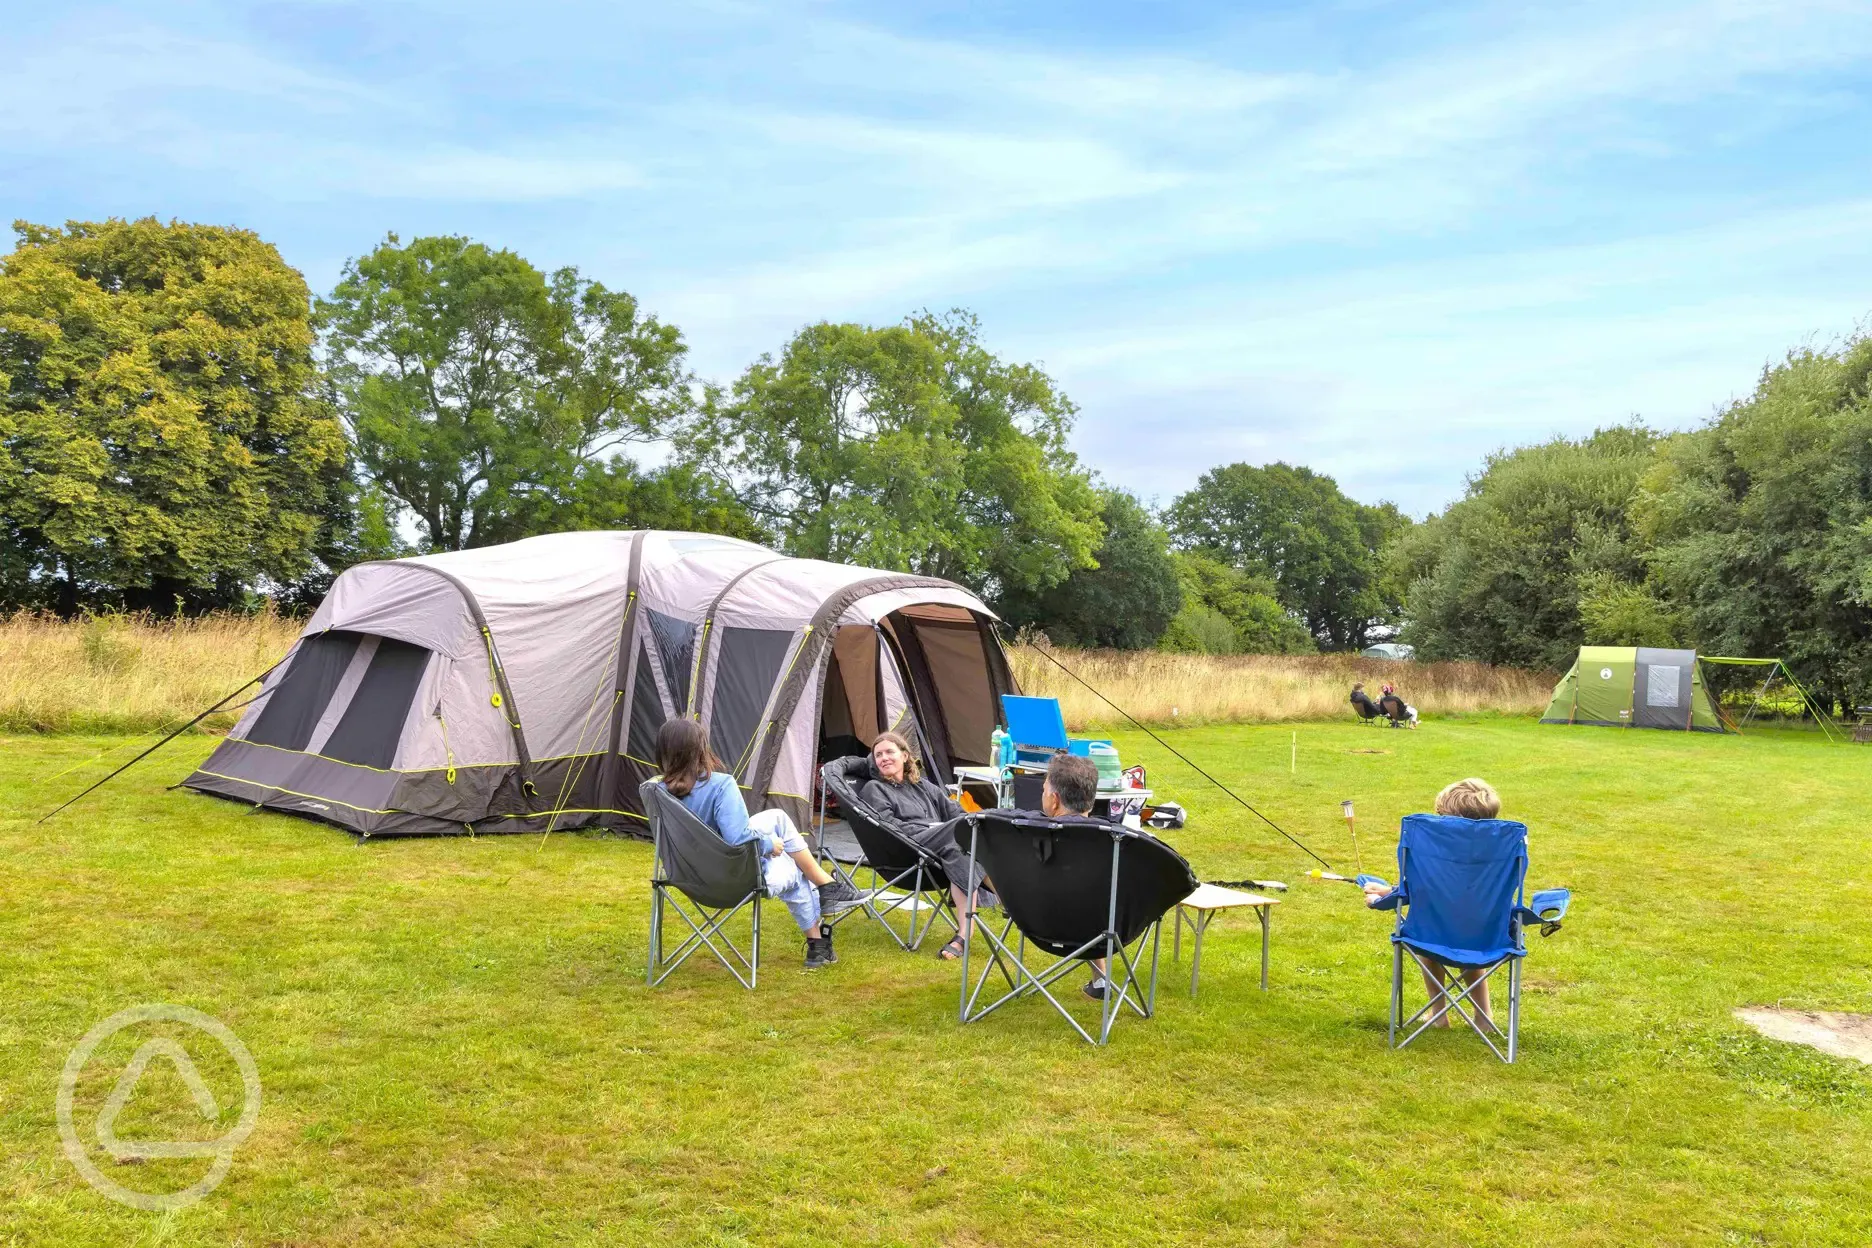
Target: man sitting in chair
[[1070, 789], [1362, 703]]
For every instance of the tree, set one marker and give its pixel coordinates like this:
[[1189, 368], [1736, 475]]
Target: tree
[[1540, 542], [1321, 549], [1228, 611], [478, 390], [1759, 525], [908, 446], [620, 495], [161, 435], [1124, 602]]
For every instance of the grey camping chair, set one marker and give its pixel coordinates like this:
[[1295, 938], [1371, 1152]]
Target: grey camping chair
[[1076, 888], [718, 879]]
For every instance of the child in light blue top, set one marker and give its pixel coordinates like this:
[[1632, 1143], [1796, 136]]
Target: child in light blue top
[[694, 777], [717, 801]]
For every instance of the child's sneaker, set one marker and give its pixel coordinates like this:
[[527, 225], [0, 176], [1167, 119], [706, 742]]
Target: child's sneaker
[[818, 952]]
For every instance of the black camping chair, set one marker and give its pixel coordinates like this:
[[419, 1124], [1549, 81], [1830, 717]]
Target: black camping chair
[[719, 879], [905, 876], [1077, 889], [1367, 709]]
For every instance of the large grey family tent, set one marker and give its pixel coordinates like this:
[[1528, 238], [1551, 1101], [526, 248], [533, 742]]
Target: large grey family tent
[[1635, 687], [501, 688]]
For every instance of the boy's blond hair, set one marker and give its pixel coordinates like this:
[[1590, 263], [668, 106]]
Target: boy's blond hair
[[1469, 799]]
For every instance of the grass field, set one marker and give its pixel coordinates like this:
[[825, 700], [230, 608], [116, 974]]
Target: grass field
[[457, 1046]]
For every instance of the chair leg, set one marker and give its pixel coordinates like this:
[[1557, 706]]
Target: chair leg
[[1514, 1007], [1156, 934], [1397, 991], [656, 933], [754, 968]]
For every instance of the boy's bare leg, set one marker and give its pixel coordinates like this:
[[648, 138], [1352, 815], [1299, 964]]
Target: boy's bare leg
[[1433, 983], [1479, 995]]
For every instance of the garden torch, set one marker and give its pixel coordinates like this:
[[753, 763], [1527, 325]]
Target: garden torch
[[1352, 827]]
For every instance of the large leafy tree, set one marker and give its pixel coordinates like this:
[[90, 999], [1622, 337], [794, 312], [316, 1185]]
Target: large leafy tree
[[1228, 611], [1760, 524], [1123, 603], [1321, 549], [162, 438], [1539, 546], [483, 394], [909, 446]]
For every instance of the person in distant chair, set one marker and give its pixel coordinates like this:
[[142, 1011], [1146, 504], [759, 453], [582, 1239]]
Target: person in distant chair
[[1362, 703], [1396, 709]]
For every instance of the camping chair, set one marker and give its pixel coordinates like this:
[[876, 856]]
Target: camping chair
[[719, 879], [905, 877], [1367, 709], [1459, 900], [1075, 888]]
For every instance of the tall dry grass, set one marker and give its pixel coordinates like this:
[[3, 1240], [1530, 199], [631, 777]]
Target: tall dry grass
[[129, 673], [1162, 688]]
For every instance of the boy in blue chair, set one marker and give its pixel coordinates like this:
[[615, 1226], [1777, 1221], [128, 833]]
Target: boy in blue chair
[[1459, 897]]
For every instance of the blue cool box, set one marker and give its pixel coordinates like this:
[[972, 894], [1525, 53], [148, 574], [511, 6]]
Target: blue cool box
[[1035, 723], [1082, 746]]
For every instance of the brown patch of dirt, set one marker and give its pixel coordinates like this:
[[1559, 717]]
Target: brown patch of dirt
[[1842, 1035]]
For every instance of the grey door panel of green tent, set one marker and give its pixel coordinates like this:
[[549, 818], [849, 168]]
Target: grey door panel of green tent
[[1661, 690]]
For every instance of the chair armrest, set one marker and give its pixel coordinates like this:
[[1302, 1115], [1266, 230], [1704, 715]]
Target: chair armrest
[[1547, 907]]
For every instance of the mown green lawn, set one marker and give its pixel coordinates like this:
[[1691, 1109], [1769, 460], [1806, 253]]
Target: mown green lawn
[[457, 1046]]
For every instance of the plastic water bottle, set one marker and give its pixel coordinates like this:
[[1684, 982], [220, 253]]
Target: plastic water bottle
[[1001, 748]]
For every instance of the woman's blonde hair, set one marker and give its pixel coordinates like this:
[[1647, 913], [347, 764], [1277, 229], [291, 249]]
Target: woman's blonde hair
[[913, 770], [1469, 799]]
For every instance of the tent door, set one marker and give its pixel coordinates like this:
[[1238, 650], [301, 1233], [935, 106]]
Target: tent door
[[852, 711], [955, 676]]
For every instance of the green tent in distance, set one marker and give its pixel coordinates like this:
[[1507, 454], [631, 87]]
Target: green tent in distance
[[1635, 687]]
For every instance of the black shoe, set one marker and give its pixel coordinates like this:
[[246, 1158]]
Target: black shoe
[[1095, 988], [818, 953], [836, 897], [825, 934]]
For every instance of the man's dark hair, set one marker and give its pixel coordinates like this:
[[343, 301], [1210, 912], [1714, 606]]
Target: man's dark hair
[[1074, 780]]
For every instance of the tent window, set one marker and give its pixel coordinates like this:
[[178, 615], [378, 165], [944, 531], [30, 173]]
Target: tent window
[[675, 643], [646, 713], [372, 725], [298, 702], [744, 680]]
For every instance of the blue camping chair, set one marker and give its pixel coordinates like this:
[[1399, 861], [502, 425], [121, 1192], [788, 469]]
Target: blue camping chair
[[1459, 900]]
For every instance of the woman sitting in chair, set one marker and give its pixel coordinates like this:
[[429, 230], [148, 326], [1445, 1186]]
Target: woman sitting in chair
[[696, 778], [911, 805], [1466, 799]]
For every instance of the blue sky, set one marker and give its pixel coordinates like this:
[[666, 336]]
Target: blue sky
[[1380, 239]]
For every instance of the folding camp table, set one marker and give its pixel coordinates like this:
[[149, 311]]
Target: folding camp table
[[1200, 908]]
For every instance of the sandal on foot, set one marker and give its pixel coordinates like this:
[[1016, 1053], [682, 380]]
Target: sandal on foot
[[952, 951]]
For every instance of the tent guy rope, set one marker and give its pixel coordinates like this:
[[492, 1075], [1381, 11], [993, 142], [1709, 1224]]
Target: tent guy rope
[[165, 741]]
